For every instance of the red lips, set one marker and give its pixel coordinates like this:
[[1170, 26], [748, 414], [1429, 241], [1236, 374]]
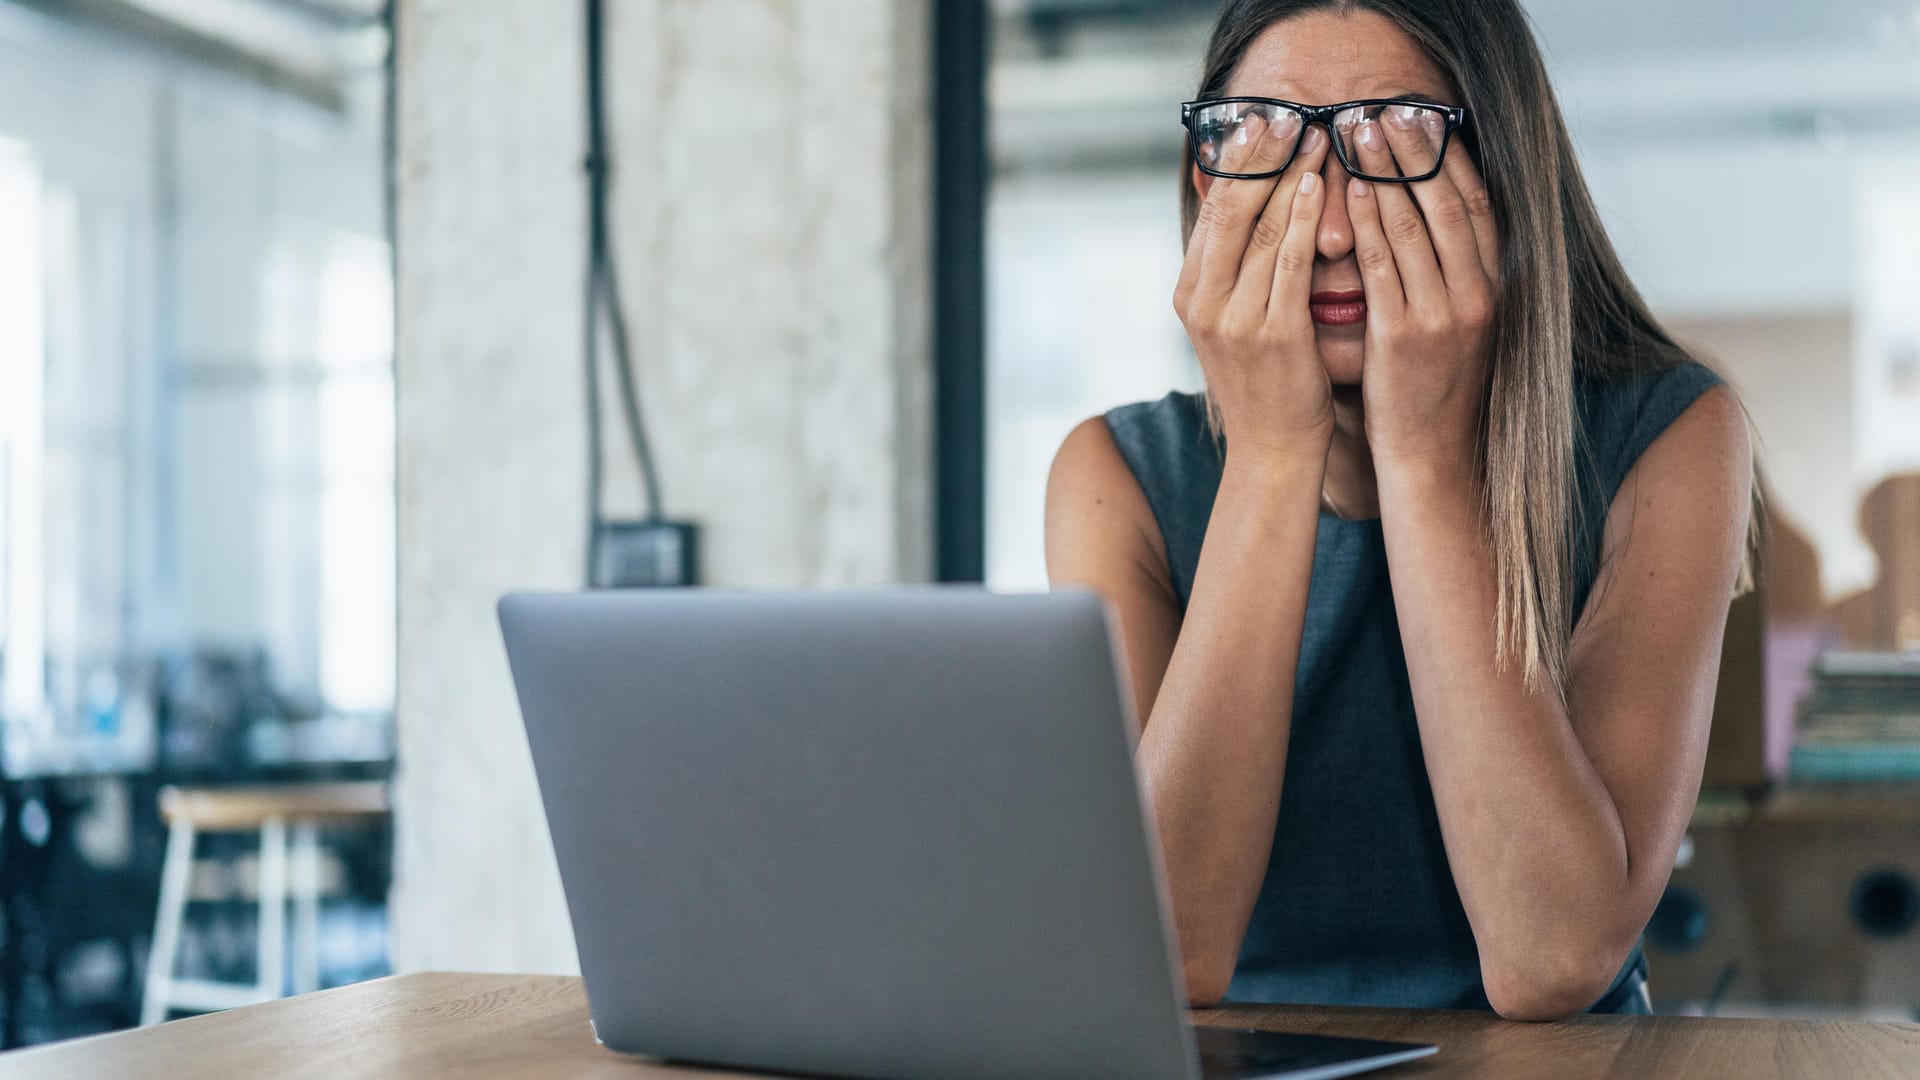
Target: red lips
[[1343, 307]]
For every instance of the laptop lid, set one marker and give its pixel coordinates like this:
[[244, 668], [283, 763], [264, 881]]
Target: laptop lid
[[869, 833]]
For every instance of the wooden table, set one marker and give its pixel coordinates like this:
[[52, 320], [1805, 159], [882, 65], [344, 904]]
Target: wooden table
[[480, 1026]]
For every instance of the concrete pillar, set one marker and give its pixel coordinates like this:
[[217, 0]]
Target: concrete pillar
[[772, 220]]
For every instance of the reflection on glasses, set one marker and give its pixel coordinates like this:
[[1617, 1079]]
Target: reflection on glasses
[[1389, 140]]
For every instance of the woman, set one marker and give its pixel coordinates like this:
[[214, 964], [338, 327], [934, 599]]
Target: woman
[[1423, 600]]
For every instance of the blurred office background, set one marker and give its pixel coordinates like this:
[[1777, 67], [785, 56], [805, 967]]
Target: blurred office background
[[196, 472], [241, 536]]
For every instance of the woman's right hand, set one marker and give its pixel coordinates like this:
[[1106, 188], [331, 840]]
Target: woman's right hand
[[1243, 294]]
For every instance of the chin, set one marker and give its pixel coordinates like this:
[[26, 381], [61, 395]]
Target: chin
[[1343, 365]]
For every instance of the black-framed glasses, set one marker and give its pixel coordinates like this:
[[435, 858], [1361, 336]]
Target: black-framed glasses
[[1219, 130]]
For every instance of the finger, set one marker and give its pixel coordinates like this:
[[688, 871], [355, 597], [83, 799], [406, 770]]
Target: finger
[[1458, 166], [1190, 264], [1293, 262], [1256, 147], [1416, 148], [1399, 220], [1410, 150], [1379, 274], [1258, 266], [1225, 156], [1210, 205]]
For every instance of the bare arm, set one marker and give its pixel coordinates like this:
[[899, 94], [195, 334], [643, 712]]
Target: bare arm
[[1216, 691], [1561, 822]]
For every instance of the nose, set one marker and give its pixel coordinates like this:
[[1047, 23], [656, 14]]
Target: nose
[[1334, 238]]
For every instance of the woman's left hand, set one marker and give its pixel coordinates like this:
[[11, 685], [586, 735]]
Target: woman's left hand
[[1431, 287]]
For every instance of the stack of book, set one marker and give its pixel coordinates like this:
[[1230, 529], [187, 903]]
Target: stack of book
[[1861, 722]]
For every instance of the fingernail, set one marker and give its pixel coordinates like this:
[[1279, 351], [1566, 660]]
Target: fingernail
[[1401, 116], [1240, 135], [1309, 183], [1369, 135], [1314, 138], [1357, 188]]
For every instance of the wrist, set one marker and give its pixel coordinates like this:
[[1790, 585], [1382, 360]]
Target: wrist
[[1442, 445], [1403, 475], [1276, 472], [1447, 460]]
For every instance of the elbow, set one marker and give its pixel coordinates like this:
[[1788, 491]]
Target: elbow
[[1551, 985], [1206, 982]]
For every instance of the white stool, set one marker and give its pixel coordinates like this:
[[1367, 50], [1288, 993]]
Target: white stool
[[273, 811]]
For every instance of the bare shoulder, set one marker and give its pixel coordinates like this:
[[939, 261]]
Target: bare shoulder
[[1677, 528], [1089, 465], [1101, 535], [1701, 466], [1714, 427], [1095, 508]]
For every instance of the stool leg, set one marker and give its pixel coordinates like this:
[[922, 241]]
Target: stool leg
[[273, 907], [174, 875], [306, 907]]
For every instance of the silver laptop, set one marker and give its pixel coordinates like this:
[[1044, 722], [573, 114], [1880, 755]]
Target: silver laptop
[[882, 833]]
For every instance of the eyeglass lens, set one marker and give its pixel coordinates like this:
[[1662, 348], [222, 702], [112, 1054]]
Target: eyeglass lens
[[1376, 142]]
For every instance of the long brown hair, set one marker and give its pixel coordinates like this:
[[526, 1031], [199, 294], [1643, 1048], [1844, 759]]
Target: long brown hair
[[1566, 303]]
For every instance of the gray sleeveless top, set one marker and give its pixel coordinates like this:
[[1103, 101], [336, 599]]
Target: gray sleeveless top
[[1359, 906]]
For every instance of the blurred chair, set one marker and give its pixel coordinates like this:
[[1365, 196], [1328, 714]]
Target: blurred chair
[[287, 817]]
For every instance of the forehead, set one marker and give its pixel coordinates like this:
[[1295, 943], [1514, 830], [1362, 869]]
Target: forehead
[[1320, 58]]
